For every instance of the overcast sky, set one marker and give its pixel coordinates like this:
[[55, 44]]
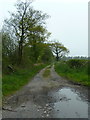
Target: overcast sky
[[68, 22]]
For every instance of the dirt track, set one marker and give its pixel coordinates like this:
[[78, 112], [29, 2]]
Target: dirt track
[[42, 96]]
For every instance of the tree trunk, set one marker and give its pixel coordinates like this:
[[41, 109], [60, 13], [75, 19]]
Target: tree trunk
[[21, 43], [20, 52], [57, 57]]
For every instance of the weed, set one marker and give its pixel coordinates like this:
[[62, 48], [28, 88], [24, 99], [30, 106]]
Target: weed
[[13, 82], [76, 74], [46, 73]]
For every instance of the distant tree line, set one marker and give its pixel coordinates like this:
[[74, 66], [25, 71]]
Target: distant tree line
[[75, 57]]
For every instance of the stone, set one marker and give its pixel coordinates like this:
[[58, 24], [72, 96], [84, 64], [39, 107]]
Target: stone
[[22, 105], [38, 110], [47, 105], [49, 108], [47, 115], [45, 112]]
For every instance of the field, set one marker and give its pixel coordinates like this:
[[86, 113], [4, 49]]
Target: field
[[74, 70]]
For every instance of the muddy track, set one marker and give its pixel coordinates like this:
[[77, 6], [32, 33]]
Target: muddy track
[[47, 97]]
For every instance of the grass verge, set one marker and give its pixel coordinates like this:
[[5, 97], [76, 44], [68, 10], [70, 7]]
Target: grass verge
[[78, 75], [46, 73], [14, 81]]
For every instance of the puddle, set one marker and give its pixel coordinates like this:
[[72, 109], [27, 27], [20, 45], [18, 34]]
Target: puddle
[[65, 102], [69, 103]]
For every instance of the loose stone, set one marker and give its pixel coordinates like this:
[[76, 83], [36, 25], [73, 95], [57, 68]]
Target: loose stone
[[47, 105], [45, 111], [38, 110], [47, 115], [22, 105]]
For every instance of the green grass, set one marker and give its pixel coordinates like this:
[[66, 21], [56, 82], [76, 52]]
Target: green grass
[[46, 73], [13, 82], [78, 75]]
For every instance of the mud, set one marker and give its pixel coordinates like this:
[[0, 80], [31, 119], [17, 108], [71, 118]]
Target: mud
[[52, 97]]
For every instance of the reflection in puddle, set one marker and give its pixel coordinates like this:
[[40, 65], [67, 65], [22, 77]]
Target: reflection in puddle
[[69, 104], [64, 102]]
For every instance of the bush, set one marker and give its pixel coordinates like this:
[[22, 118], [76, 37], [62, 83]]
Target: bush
[[75, 70], [75, 63]]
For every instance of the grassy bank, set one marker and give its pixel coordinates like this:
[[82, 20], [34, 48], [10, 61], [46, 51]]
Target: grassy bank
[[46, 73], [75, 72], [14, 81]]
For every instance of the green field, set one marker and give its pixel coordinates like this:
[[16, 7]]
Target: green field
[[14, 81], [74, 70]]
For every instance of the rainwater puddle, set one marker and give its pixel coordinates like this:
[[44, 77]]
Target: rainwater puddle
[[69, 103]]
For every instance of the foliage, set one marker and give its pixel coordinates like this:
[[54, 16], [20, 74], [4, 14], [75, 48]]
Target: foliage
[[46, 55], [25, 43], [23, 36], [28, 26], [9, 51], [16, 80], [46, 73], [76, 63], [59, 50], [77, 74]]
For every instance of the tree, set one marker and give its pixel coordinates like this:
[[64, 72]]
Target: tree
[[37, 42], [46, 55], [9, 51], [27, 24], [16, 23], [59, 50], [8, 45]]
